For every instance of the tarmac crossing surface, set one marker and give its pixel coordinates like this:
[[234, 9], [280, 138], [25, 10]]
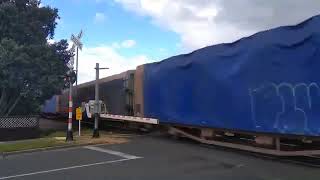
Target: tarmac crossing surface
[[149, 157]]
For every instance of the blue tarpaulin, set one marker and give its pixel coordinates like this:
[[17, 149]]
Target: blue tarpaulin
[[50, 106], [268, 83]]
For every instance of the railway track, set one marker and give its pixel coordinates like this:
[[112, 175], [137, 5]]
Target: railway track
[[309, 161]]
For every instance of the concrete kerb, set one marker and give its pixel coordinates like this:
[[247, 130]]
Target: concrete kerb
[[6, 154]]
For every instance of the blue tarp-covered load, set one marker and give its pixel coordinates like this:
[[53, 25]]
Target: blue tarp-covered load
[[51, 105], [268, 83]]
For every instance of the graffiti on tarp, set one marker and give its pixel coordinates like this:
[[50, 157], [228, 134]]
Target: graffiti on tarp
[[286, 106]]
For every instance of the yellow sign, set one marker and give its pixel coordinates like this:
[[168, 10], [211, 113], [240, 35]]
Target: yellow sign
[[78, 114]]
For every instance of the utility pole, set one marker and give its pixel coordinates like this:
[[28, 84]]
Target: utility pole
[[97, 103]]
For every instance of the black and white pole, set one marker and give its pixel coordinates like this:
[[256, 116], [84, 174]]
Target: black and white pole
[[77, 43], [97, 104], [69, 131], [76, 89]]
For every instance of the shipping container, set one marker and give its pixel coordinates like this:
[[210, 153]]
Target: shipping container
[[138, 92], [115, 91]]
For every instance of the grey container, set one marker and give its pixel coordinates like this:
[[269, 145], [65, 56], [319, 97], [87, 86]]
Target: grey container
[[115, 91]]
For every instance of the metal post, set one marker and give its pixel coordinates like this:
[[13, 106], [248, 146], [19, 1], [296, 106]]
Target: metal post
[[76, 89], [79, 128], [69, 131], [97, 113]]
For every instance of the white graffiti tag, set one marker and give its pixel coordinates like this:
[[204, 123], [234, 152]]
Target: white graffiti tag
[[284, 103]]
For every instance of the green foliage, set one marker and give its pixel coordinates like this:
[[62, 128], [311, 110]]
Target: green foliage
[[31, 70], [25, 22]]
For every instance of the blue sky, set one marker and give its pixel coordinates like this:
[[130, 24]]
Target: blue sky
[[106, 22], [122, 34], [109, 26]]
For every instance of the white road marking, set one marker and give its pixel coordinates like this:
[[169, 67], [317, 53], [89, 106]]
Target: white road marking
[[62, 169], [126, 157], [116, 153]]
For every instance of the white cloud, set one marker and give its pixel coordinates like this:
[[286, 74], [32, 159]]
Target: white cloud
[[124, 44], [128, 43], [51, 41], [107, 56], [116, 45], [99, 18], [204, 22]]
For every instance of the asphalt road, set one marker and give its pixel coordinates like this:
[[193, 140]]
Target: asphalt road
[[145, 158]]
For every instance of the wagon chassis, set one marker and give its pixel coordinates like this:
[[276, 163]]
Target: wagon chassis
[[274, 145], [262, 144]]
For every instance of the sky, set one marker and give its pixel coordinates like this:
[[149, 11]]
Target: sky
[[122, 34]]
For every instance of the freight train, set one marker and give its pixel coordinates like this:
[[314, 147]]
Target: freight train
[[266, 84], [115, 91]]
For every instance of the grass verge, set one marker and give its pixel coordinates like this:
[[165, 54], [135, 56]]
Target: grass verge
[[30, 144], [57, 138]]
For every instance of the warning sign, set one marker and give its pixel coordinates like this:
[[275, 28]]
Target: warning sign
[[78, 114]]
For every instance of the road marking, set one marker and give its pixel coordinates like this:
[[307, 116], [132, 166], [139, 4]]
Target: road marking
[[116, 153], [62, 169]]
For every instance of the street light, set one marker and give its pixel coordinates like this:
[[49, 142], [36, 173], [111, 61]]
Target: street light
[[97, 104]]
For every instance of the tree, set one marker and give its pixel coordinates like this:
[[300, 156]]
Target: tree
[[31, 69]]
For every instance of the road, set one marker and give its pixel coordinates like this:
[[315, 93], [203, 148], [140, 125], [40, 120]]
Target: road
[[145, 158]]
